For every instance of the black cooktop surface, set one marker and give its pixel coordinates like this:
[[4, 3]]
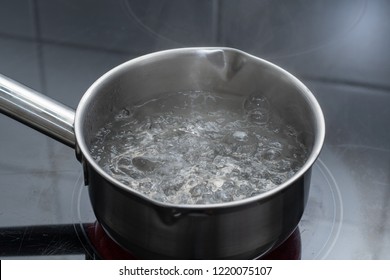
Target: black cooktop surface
[[339, 49]]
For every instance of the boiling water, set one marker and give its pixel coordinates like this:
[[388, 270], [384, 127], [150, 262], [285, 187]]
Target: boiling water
[[199, 148]]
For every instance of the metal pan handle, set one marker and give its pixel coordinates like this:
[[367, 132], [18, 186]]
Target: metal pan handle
[[37, 111]]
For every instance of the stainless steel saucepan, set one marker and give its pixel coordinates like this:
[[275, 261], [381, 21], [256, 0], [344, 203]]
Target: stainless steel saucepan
[[240, 229]]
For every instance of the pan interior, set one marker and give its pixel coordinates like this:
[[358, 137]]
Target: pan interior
[[225, 71]]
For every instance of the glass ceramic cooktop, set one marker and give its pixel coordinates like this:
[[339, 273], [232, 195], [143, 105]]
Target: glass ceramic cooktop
[[339, 50]]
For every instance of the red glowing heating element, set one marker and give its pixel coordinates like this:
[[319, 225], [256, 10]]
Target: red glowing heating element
[[109, 250]]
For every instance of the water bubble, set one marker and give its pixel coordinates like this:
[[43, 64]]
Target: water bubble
[[183, 198], [257, 108], [159, 197], [244, 190], [171, 187], [271, 154], [228, 186], [223, 196], [143, 164], [245, 151], [254, 102], [124, 113], [259, 116], [145, 187], [240, 135], [209, 198], [200, 189], [290, 131]]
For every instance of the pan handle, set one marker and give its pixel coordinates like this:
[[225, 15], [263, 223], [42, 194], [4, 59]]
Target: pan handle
[[37, 111]]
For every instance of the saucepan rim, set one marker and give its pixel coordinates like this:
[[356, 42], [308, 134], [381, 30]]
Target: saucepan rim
[[306, 93]]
